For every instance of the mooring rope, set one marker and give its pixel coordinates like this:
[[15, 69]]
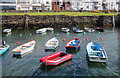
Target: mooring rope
[[41, 64], [107, 66]]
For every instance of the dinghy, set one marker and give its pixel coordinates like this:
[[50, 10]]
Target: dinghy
[[96, 52], [52, 43], [89, 29], [65, 29], [25, 48], [41, 30], [56, 58], [77, 30], [49, 29], [7, 31], [3, 49], [100, 29], [73, 44]]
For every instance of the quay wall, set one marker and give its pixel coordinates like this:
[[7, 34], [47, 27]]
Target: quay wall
[[58, 20]]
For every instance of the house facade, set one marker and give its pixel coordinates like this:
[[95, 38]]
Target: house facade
[[58, 5]]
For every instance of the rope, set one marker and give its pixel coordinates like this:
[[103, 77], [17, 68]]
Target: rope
[[12, 69], [41, 64], [109, 68]]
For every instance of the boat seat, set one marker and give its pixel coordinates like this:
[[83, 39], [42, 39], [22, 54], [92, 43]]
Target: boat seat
[[62, 54], [94, 47], [53, 41], [99, 54], [73, 44], [76, 41]]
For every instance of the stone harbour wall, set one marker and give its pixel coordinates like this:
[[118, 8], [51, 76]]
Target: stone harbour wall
[[42, 21]]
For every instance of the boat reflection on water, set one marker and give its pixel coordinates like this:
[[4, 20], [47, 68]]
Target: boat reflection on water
[[95, 64], [52, 50], [49, 69], [73, 51], [23, 55]]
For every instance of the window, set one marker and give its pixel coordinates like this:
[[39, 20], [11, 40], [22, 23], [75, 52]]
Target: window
[[48, 8], [47, 2], [87, 6]]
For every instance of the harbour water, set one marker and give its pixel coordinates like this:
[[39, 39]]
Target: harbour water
[[29, 65]]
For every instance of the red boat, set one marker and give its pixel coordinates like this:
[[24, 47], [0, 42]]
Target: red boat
[[73, 44], [56, 58], [100, 29]]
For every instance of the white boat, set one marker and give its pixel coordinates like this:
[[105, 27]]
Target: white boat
[[24, 49], [41, 30], [52, 43], [77, 30], [65, 29], [96, 52], [49, 29], [7, 31], [89, 29]]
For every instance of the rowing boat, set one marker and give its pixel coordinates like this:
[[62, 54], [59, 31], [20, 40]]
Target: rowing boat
[[77, 30], [41, 30], [52, 43], [3, 49], [25, 48], [96, 52], [65, 29], [89, 29], [73, 44]]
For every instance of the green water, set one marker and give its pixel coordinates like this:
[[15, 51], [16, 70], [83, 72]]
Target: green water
[[29, 65]]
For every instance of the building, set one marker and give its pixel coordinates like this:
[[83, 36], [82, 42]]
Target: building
[[7, 4], [27, 4], [33, 5], [58, 5], [112, 4]]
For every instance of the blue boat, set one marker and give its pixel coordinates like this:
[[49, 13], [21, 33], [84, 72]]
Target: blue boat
[[96, 52], [3, 49], [73, 44], [77, 30]]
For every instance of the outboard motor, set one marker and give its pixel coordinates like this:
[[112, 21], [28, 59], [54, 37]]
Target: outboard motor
[[3, 43]]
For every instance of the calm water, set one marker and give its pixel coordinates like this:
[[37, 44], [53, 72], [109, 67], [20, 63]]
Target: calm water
[[29, 65]]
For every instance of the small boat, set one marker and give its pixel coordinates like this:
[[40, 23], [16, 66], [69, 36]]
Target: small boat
[[65, 29], [25, 48], [73, 44], [52, 43], [49, 29], [100, 29], [56, 58], [96, 52], [3, 49], [89, 29], [77, 30], [7, 31], [41, 30]]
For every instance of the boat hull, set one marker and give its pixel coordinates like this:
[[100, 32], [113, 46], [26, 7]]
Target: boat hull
[[4, 50], [89, 29], [24, 51], [65, 30], [48, 60], [43, 30], [68, 45], [96, 55], [77, 30], [52, 44], [100, 29], [72, 48]]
